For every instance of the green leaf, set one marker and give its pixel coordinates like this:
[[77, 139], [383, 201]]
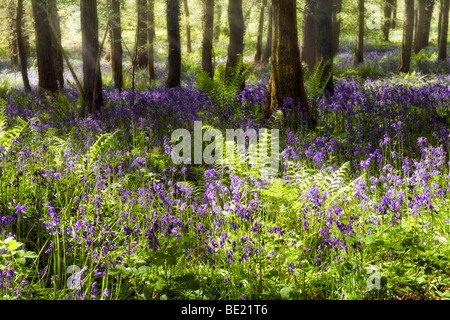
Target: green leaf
[[143, 269]]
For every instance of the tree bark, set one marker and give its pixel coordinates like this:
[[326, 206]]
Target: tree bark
[[258, 51], [173, 34], [408, 30], [21, 46], [56, 41], [420, 26], [268, 48], [394, 15], [442, 42], [429, 6], [151, 40], [142, 51], [388, 19], [359, 50], [286, 79], [116, 43], [237, 27], [12, 39], [307, 46], [207, 41], [92, 78], [218, 9], [324, 49], [336, 23], [188, 26], [44, 52]]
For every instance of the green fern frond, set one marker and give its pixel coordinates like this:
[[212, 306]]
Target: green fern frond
[[8, 136]]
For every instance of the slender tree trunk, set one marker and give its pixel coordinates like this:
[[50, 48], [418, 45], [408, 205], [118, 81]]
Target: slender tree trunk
[[394, 15], [142, 51], [12, 39], [336, 23], [286, 79], [258, 52], [268, 48], [420, 26], [92, 78], [151, 40], [21, 46], [408, 30], [116, 43], [207, 42], [429, 6], [173, 34], [359, 50], [44, 52], [324, 42], [218, 9], [307, 46], [237, 27], [188, 26], [56, 40], [388, 20], [442, 46]]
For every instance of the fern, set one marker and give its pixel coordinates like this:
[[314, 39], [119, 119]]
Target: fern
[[223, 90], [315, 82], [7, 137], [103, 141]]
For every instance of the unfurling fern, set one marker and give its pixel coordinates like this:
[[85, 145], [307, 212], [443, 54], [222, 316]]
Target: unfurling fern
[[7, 137], [102, 143], [315, 80], [299, 180], [223, 90]]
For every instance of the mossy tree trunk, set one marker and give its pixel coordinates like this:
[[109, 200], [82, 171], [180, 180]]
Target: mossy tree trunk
[[207, 39], [21, 46], [359, 49], [286, 79], [44, 53], [173, 35], [308, 42], [116, 51], [92, 77], [408, 30]]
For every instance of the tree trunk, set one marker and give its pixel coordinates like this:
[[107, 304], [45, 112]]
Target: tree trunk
[[56, 41], [92, 78], [420, 27], [21, 46], [207, 41], [151, 40], [359, 50], [218, 9], [442, 45], [307, 46], [44, 52], [408, 30], [188, 27], [173, 34], [12, 40], [268, 49], [388, 20], [237, 27], [394, 15], [336, 23], [141, 34], [286, 79], [116, 52], [324, 49], [258, 52], [429, 6]]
